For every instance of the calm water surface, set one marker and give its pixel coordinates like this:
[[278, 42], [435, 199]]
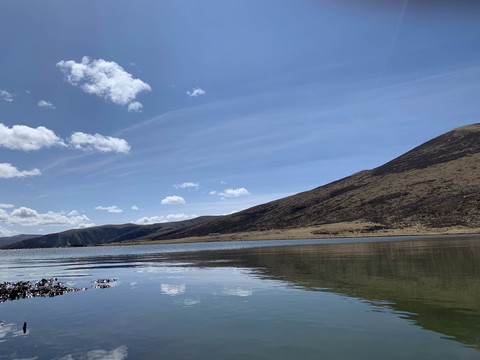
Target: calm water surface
[[413, 299]]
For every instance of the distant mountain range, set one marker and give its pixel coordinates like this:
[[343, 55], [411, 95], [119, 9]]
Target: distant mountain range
[[434, 186]]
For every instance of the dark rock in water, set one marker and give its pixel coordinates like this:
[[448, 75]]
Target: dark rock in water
[[104, 281], [26, 289]]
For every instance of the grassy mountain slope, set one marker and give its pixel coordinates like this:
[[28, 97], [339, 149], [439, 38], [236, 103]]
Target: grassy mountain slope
[[435, 185]]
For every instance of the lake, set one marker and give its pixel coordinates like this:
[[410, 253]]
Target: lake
[[377, 298]]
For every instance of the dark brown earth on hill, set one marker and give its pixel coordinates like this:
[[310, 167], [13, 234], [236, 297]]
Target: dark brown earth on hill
[[434, 188]]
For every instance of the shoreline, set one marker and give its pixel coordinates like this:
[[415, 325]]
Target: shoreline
[[329, 231]]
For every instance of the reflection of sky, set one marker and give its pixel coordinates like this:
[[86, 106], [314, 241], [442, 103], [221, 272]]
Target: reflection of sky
[[118, 353]]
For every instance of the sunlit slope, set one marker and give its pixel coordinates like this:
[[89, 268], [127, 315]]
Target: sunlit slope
[[435, 185]]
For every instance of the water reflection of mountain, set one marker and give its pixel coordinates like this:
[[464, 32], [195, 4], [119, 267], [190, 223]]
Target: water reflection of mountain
[[434, 283]]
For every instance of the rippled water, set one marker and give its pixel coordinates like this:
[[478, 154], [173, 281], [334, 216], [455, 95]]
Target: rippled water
[[414, 299]]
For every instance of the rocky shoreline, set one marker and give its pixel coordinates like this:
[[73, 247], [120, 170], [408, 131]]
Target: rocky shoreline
[[42, 288]]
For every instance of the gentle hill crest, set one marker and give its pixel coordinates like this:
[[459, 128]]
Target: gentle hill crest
[[431, 188]]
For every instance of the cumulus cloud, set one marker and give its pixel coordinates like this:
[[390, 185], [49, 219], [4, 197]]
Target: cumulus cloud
[[6, 206], [134, 207], [85, 225], [110, 209], [162, 219], [196, 92], [8, 171], [22, 137], [46, 104], [105, 79], [6, 96], [30, 217], [6, 232], [135, 107], [213, 192], [173, 200], [234, 192], [88, 142], [186, 185]]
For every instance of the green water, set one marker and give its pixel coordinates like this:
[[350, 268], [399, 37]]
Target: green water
[[417, 299]]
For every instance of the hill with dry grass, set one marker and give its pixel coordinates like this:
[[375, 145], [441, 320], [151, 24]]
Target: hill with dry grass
[[430, 189]]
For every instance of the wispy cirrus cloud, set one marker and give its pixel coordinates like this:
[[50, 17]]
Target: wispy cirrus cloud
[[6, 96], [174, 199], [186, 185], [196, 92], [8, 171], [46, 104], [110, 209], [105, 79], [97, 142]]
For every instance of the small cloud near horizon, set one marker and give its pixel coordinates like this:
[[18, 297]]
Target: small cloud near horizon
[[110, 209], [174, 199]]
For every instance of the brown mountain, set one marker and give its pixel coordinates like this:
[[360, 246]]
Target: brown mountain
[[433, 187], [106, 234], [436, 185]]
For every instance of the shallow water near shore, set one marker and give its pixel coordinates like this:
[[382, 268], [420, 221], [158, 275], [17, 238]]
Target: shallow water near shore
[[418, 298]]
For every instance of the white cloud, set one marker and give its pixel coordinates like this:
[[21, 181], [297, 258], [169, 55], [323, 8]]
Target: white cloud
[[6, 206], [110, 209], [30, 217], [105, 79], [234, 192], [134, 207], [8, 171], [46, 104], [82, 141], [22, 137], [6, 232], [73, 213], [6, 96], [186, 185], [162, 219], [173, 290], [85, 225], [213, 192], [135, 106], [196, 92], [173, 200]]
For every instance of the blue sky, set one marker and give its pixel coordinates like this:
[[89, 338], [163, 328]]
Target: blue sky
[[148, 111]]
